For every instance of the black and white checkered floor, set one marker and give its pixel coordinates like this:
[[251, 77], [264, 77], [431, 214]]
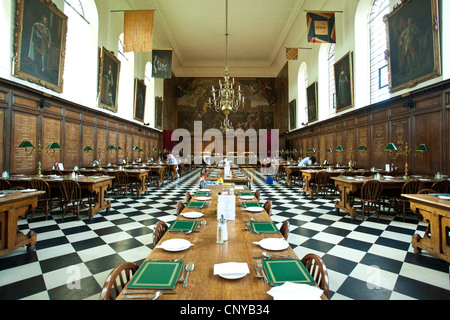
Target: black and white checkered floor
[[365, 260]]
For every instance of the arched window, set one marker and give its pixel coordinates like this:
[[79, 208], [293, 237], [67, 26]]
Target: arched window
[[81, 61], [149, 95], [126, 82], [379, 79], [331, 82], [302, 105], [78, 7]]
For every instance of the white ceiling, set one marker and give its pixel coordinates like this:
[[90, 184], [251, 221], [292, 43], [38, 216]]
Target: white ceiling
[[259, 30]]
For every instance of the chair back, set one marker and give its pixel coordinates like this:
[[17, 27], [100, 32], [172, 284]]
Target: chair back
[[318, 271], [70, 190], [412, 187], [55, 171], [257, 195], [180, 207], [121, 178], [4, 184], [371, 190], [322, 178], [187, 197], [159, 231], [41, 185], [285, 229], [367, 173], [442, 186], [347, 174], [117, 280], [426, 191], [268, 207]]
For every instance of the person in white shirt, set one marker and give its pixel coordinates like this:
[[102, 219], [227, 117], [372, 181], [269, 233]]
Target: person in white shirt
[[307, 161]]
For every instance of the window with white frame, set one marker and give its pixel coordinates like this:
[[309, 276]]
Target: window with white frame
[[331, 82], [379, 77]]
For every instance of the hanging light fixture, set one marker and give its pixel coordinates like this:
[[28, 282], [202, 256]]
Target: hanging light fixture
[[226, 100]]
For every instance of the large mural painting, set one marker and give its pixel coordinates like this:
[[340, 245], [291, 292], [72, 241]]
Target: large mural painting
[[258, 113]]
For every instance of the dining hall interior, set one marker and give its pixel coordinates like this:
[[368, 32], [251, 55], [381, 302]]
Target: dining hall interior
[[225, 150]]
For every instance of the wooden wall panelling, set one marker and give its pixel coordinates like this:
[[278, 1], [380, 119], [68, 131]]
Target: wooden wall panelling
[[111, 155], [101, 152], [330, 145], [2, 138], [129, 146], [72, 147], [24, 128], [51, 133], [363, 139], [350, 145], [428, 130], [121, 143], [88, 139], [339, 155], [379, 133]]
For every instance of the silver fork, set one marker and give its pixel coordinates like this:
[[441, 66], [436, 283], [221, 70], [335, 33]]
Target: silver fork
[[260, 266]]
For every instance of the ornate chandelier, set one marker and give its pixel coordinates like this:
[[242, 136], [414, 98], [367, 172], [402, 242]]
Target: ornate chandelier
[[226, 100]]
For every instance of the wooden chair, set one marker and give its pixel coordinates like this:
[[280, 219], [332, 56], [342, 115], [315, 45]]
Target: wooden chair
[[122, 273], [4, 184], [257, 195], [321, 183], [187, 197], [285, 229], [180, 207], [159, 231], [71, 197], [268, 207], [442, 186], [426, 191], [55, 172], [367, 173], [121, 182], [369, 197], [318, 271], [45, 200], [401, 204]]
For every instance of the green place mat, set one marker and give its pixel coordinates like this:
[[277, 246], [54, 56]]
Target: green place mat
[[242, 194], [202, 193], [293, 270], [157, 275], [251, 204], [181, 225], [440, 194], [263, 227], [195, 204]]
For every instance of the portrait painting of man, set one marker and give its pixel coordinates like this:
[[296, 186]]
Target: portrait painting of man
[[108, 80]]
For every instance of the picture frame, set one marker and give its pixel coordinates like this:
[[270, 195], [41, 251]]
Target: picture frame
[[158, 112], [108, 80], [413, 42], [40, 43], [293, 114], [140, 90], [311, 96], [343, 76]]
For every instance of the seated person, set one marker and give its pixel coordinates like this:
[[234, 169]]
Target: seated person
[[307, 161]]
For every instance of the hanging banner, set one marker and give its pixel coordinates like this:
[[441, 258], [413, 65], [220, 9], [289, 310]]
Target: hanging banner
[[138, 30], [162, 64], [291, 53], [321, 26]]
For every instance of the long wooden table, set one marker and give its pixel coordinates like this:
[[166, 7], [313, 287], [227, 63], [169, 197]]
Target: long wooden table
[[13, 205], [203, 284], [349, 185], [96, 185], [228, 179], [436, 212]]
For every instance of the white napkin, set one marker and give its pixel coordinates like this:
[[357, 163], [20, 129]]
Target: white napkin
[[295, 291], [231, 268]]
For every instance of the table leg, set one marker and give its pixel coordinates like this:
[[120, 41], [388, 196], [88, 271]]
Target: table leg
[[100, 190], [344, 202], [307, 186]]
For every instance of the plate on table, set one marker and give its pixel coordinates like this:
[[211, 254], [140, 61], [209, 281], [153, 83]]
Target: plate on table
[[246, 197], [2, 195], [202, 198], [29, 190], [273, 244], [254, 209], [444, 197], [231, 270], [192, 214], [175, 245]]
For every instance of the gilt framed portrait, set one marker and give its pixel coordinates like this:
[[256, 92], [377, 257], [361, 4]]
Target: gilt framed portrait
[[293, 114], [311, 98], [343, 81], [158, 112], [40, 43], [108, 83], [139, 99], [413, 54]]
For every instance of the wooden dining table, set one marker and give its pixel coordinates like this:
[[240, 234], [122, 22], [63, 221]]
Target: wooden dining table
[[348, 185], [14, 204], [206, 252], [435, 210], [97, 185]]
